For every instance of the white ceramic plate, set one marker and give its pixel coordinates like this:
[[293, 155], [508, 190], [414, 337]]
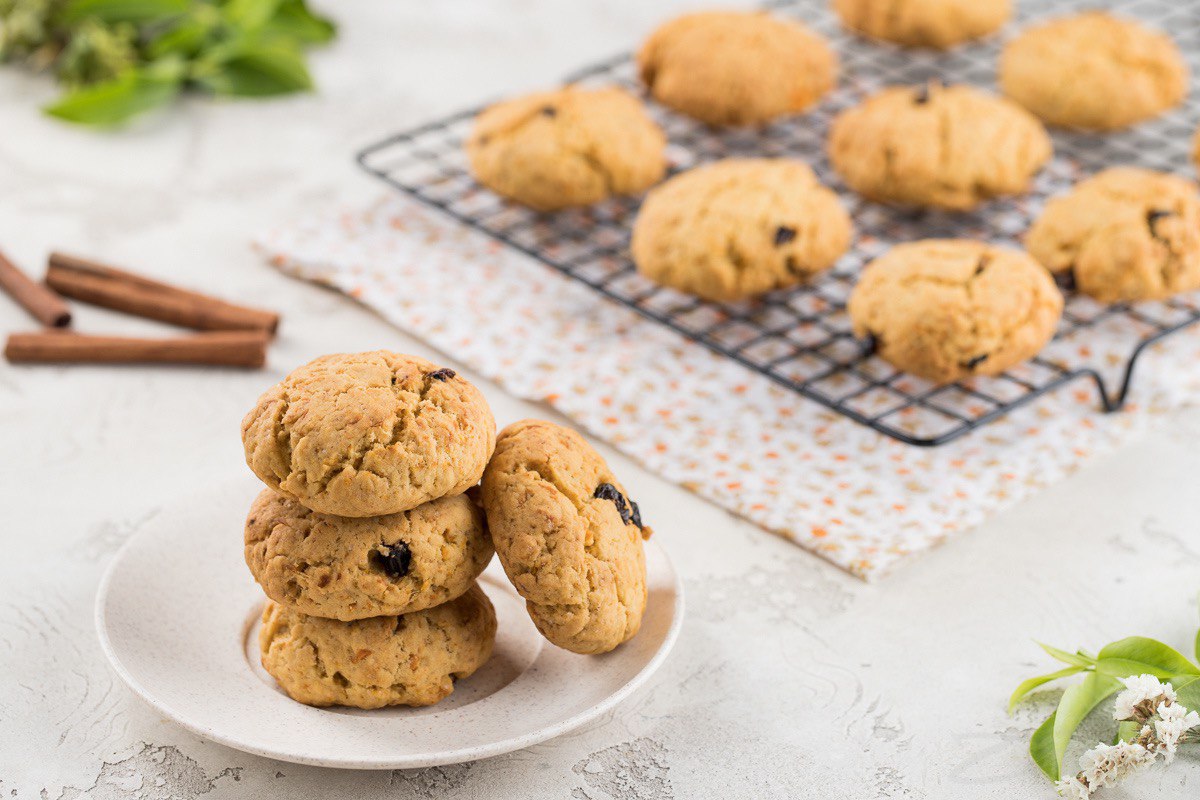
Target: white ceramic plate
[[177, 613]]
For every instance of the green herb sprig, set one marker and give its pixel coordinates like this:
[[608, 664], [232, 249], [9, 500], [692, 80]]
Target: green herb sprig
[[121, 58]]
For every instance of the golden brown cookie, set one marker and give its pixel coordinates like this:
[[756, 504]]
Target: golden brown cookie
[[409, 660], [948, 147], [364, 434], [738, 228], [1124, 234], [939, 24], [1093, 71], [946, 309], [736, 67], [569, 537], [351, 568], [570, 147]]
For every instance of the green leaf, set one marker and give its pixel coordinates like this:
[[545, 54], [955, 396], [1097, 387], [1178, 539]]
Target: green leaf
[[1127, 731], [250, 15], [257, 70], [111, 11], [1074, 659], [1187, 694], [1077, 702], [1030, 684], [294, 21], [1041, 749], [1198, 645], [118, 100], [1138, 655]]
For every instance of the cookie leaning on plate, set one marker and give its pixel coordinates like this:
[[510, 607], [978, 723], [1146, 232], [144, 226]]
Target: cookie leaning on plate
[[364, 434], [1093, 71], [736, 67], [1123, 234], [948, 147], [947, 309], [352, 568], [410, 660], [570, 147], [569, 537], [939, 24], [739, 227]]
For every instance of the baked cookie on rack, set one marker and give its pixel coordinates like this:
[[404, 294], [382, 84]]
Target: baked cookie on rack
[[948, 309], [1093, 71], [568, 535], [570, 147], [738, 228], [939, 24], [364, 434], [736, 67], [408, 660], [949, 147], [351, 568], [1124, 234]]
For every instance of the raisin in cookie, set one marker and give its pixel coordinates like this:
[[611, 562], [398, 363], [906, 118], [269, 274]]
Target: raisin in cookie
[[570, 147], [408, 660], [948, 147], [364, 434], [569, 537], [1093, 71], [352, 568], [949, 309], [1123, 234], [738, 228], [736, 68], [939, 24]]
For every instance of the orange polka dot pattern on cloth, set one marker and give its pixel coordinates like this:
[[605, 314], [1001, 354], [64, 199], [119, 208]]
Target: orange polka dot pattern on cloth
[[861, 500]]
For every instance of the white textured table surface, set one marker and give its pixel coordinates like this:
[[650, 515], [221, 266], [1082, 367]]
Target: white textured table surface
[[790, 678]]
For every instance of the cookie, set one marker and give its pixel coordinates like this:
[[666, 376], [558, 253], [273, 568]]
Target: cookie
[[950, 309], [364, 434], [409, 660], [947, 147], [570, 147], [352, 568], [738, 228], [1123, 234], [569, 537], [939, 24], [1093, 71], [736, 68]]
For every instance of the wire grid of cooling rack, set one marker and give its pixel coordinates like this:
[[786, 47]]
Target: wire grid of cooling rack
[[800, 337]]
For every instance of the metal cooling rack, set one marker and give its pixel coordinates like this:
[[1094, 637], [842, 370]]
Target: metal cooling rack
[[800, 338]]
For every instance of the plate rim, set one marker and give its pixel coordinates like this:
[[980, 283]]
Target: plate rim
[[442, 758]]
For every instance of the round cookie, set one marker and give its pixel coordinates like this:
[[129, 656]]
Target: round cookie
[[1124, 234], [570, 147], [735, 67], [568, 536], [948, 147], [409, 660], [939, 24], [364, 434], [1093, 71], [950, 309], [738, 228], [352, 568]]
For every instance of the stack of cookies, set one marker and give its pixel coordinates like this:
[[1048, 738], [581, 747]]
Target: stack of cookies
[[366, 541], [373, 530]]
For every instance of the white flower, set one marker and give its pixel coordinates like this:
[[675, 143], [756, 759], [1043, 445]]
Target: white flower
[[1073, 789], [1175, 721], [1108, 764], [1138, 689]]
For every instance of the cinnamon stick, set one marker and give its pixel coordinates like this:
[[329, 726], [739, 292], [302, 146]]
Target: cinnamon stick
[[131, 293], [222, 348], [44, 305]]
